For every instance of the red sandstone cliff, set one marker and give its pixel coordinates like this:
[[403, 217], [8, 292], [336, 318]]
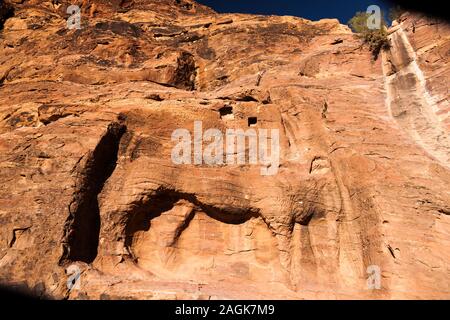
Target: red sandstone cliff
[[86, 176]]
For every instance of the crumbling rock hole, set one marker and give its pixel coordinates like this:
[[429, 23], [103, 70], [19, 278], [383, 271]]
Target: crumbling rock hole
[[226, 112], [155, 97], [186, 73], [252, 121], [82, 228], [247, 98]]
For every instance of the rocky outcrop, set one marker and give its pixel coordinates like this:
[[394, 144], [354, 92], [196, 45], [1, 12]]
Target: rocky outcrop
[[88, 182]]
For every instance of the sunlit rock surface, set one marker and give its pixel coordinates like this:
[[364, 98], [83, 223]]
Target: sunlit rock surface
[[87, 179]]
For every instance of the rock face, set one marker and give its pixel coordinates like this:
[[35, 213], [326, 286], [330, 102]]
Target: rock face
[[88, 182]]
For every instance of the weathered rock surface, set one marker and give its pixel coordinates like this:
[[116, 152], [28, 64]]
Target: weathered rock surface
[[86, 118]]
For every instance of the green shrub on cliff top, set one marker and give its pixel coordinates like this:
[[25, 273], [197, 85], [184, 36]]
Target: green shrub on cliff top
[[376, 39]]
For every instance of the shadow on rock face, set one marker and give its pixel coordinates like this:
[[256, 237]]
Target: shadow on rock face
[[6, 11], [16, 293], [433, 7]]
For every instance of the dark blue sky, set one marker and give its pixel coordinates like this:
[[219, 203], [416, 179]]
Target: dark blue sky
[[310, 9]]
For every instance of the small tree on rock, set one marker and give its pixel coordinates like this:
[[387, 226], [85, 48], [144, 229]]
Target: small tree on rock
[[376, 39]]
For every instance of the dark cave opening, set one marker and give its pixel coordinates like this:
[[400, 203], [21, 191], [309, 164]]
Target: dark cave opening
[[225, 111], [252, 121], [83, 226]]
